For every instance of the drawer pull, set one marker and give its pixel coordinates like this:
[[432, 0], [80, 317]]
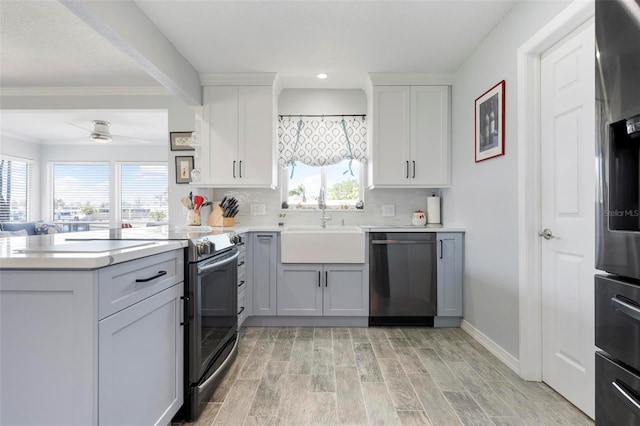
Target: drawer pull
[[625, 394], [158, 275], [241, 310], [625, 308], [241, 283], [241, 263]]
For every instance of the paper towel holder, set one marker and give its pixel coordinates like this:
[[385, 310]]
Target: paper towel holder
[[433, 212]]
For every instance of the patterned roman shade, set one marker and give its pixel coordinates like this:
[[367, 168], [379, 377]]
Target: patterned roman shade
[[321, 141]]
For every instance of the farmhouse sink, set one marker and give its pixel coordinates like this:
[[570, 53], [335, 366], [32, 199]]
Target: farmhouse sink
[[312, 244], [318, 228]]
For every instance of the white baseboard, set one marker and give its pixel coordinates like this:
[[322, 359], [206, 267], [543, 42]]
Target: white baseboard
[[497, 350]]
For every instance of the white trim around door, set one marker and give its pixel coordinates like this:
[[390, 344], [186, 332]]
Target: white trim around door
[[529, 195]]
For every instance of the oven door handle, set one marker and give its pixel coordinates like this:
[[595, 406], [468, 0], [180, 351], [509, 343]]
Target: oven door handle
[[625, 308], [214, 265]]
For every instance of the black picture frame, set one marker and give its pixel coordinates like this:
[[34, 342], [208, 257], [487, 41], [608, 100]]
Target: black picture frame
[[181, 141], [184, 166], [489, 123]]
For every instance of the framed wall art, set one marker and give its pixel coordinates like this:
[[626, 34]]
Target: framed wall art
[[181, 141], [489, 123], [184, 165]]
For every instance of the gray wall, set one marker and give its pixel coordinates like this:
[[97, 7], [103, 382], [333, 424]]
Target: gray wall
[[484, 195]]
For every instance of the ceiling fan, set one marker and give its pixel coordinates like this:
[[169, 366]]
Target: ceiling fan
[[101, 133]]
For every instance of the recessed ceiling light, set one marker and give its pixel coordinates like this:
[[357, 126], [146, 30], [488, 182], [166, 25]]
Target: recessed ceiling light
[[322, 76]]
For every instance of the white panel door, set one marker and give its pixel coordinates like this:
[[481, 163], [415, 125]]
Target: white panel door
[[391, 135], [429, 136], [256, 146], [568, 202], [221, 125]]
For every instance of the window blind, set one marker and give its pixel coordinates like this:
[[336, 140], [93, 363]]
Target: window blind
[[144, 193], [15, 190], [80, 192]]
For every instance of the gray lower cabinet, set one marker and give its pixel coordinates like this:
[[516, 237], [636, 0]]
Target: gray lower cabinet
[[87, 347], [264, 261], [323, 290], [449, 275], [140, 354]]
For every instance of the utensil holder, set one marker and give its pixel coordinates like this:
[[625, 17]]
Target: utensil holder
[[216, 218], [193, 218]]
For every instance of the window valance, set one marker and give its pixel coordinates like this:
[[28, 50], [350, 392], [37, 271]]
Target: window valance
[[321, 141]]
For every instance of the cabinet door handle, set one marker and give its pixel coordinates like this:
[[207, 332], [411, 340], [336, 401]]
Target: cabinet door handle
[[441, 250], [241, 263], [241, 283], [326, 278], [407, 175], [414, 169], [241, 310], [234, 169], [158, 275], [240, 168]]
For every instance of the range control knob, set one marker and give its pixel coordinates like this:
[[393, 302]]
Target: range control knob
[[201, 248], [204, 247], [234, 238]]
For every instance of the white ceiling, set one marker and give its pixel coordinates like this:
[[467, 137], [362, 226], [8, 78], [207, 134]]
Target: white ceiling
[[72, 127], [43, 44]]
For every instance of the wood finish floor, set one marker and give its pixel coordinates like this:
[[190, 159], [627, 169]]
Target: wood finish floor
[[375, 376]]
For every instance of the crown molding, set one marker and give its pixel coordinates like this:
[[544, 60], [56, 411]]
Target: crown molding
[[408, 79], [84, 91], [238, 79]]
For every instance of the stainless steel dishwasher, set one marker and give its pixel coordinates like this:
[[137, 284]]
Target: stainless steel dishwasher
[[402, 278]]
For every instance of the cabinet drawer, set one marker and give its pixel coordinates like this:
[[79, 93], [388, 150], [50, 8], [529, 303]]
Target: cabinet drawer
[[617, 319], [242, 259], [242, 281], [242, 307], [124, 284], [617, 393]]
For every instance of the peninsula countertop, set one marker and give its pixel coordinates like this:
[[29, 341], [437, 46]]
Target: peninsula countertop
[[56, 251]]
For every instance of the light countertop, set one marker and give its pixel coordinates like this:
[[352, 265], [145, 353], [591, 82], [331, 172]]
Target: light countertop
[[41, 252], [36, 252]]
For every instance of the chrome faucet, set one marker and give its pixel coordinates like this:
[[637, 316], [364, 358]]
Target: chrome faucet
[[322, 205]]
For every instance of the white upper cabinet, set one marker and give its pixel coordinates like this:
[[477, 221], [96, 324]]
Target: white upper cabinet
[[238, 148], [411, 137]]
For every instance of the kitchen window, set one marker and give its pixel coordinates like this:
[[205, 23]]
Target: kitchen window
[[327, 152], [84, 194], [15, 189], [343, 190]]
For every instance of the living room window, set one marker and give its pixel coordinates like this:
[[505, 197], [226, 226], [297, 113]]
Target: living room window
[[15, 189], [80, 195], [143, 193], [86, 196]]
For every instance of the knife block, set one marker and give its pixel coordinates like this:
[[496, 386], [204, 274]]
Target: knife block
[[216, 218]]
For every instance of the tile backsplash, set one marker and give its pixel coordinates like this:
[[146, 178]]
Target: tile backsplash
[[405, 202]]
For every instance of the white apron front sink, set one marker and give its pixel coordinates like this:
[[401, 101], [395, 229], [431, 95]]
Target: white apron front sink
[[316, 245]]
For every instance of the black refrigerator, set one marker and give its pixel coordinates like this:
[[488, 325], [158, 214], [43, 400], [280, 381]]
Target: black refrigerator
[[617, 288]]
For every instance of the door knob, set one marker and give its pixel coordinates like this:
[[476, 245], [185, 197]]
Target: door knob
[[546, 234]]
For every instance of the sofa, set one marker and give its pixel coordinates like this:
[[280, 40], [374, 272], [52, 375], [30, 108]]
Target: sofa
[[8, 229]]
